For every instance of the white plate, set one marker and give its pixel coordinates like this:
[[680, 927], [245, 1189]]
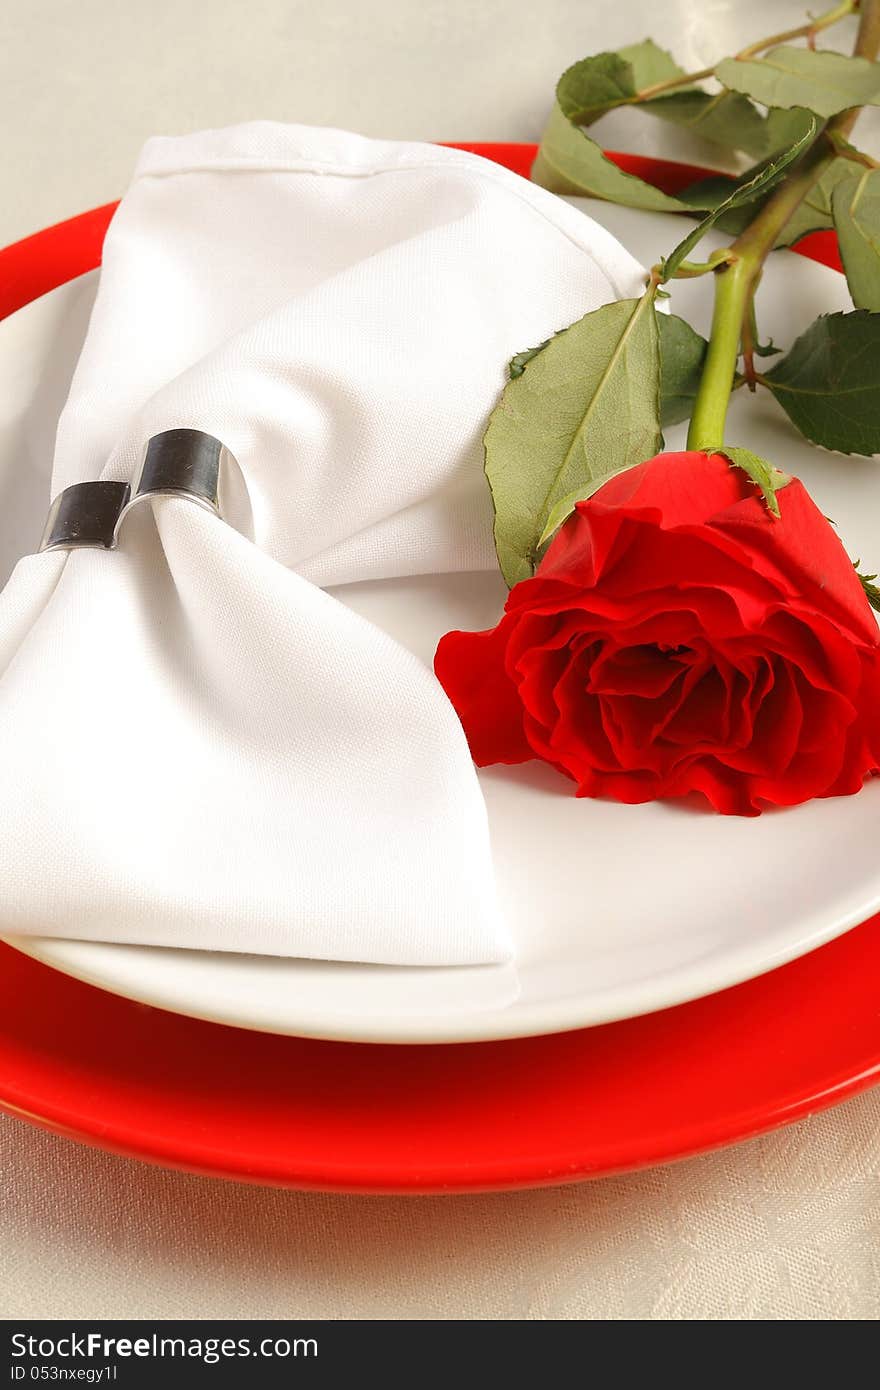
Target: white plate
[[616, 910]]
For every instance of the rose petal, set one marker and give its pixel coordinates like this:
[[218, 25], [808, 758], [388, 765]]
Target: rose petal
[[470, 667], [805, 547]]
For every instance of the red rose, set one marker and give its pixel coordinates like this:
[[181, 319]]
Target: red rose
[[678, 638]]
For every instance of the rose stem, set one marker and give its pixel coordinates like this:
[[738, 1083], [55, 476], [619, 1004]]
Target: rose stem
[[737, 277]]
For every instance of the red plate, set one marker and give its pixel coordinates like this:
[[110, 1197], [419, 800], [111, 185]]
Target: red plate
[[356, 1118]]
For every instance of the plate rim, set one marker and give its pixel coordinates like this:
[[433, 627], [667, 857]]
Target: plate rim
[[602, 1155]]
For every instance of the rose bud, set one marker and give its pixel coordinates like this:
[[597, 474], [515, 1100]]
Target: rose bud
[[678, 638]]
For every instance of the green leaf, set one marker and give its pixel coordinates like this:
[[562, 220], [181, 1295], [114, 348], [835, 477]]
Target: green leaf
[[650, 64], [828, 383], [570, 162], [821, 81], [712, 191], [726, 118], [783, 128], [682, 354], [520, 361], [762, 181], [855, 205], [588, 89], [595, 85], [872, 593], [585, 408], [813, 214], [764, 475], [566, 505], [760, 136]]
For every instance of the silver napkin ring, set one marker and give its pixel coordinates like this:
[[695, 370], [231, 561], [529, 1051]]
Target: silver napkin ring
[[85, 515], [182, 463], [178, 463]]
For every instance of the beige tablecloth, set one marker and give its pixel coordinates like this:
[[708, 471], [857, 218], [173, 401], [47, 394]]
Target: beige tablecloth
[[783, 1227]]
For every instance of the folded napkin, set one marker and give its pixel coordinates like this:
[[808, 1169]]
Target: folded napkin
[[199, 747]]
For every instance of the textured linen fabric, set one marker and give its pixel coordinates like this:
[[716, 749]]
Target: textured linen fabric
[[217, 754], [787, 1226]]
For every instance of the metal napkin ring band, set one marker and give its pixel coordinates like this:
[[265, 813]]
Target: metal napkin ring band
[[177, 463], [85, 515]]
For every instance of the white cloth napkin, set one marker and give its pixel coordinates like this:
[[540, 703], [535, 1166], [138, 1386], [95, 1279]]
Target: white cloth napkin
[[198, 746]]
